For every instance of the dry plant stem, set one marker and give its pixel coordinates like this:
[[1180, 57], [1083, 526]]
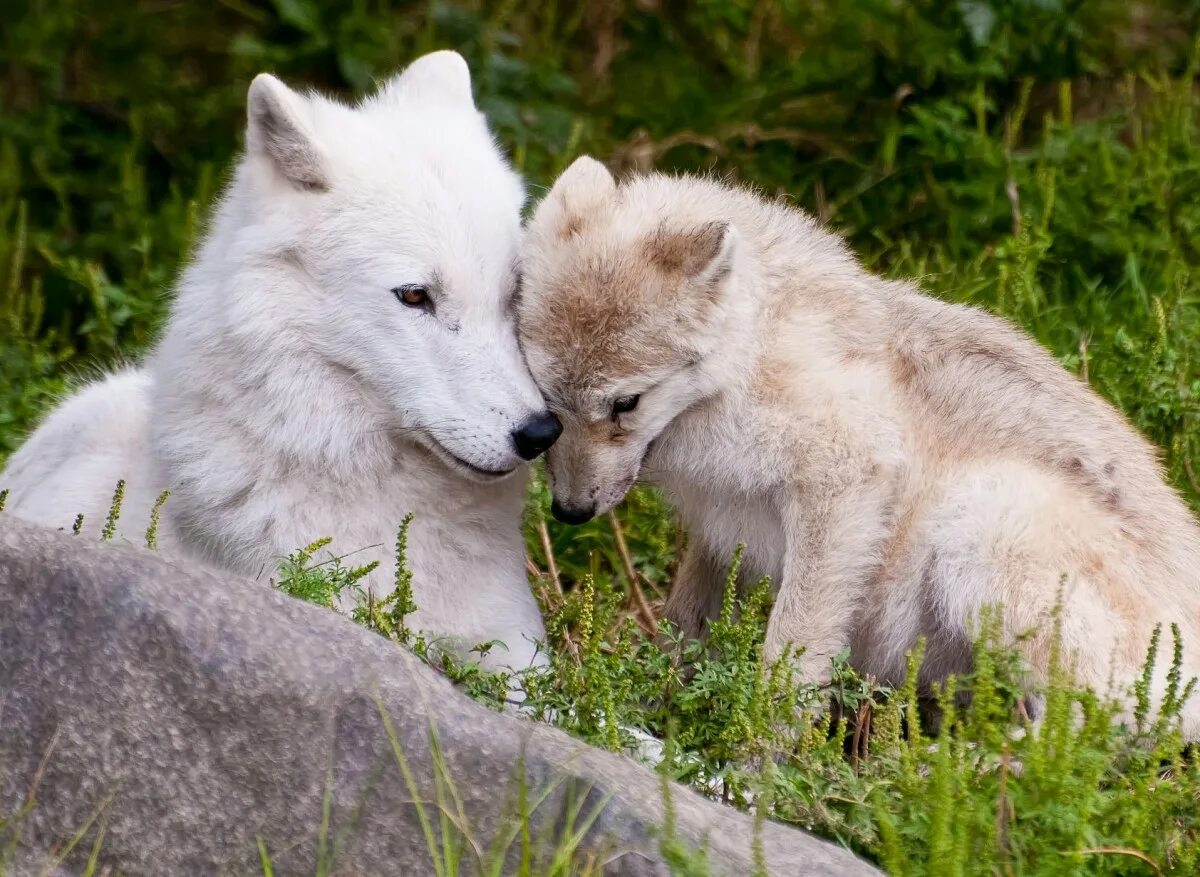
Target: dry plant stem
[[856, 741], [1014, 198], [1115, 851], [31, 795], [1191, 473], [859, 748], [1023, 713], [654, 592], [548, 550], [539, 577], [680, 544], [646, 614], [1004, 812], [572, 648]]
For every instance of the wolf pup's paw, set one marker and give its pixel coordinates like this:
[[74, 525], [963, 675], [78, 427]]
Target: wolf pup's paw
[[814, 668], [810, 665]]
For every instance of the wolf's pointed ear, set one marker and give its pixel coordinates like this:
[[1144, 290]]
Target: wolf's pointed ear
[[703, 254], [278, 128], [578, 192], [441, 76]]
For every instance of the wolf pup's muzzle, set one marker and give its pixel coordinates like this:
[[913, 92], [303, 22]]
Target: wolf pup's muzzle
[[571, 515]]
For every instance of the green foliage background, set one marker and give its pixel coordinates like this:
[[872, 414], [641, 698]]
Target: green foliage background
[[1038, 157]]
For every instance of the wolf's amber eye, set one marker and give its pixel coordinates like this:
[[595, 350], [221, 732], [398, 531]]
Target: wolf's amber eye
[[414, 295], [624, 404]]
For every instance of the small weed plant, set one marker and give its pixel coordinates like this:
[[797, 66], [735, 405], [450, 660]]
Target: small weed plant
[[956, 781], [1037, 158]]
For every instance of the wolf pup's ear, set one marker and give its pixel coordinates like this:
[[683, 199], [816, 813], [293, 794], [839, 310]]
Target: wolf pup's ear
[[278, 128], [704, 255], [439, 76], [577, 193]]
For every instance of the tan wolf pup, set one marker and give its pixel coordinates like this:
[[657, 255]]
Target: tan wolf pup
[[895, 463]]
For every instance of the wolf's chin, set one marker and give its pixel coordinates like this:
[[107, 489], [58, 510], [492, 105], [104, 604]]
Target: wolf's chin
[[465, 467]]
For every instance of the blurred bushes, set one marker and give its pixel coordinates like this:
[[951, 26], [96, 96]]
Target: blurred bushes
[[1035, 156]]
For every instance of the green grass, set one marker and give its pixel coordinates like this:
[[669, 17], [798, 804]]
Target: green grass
[[968, 785], [454, 845], [965, 785], [1036, 157]]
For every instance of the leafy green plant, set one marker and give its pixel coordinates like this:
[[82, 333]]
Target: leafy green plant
[[387, 616], [968, 783], [155, 517], [1037, 158], [114, 512], [323, 582]]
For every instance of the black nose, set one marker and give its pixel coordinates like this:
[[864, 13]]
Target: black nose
[[536, 435], [572, 516]]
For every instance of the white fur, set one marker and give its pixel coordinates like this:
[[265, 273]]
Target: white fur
[[293, 396], [893, 462]]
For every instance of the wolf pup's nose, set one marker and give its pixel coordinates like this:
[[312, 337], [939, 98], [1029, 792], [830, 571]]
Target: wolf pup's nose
[[570, 515], [536, 434]]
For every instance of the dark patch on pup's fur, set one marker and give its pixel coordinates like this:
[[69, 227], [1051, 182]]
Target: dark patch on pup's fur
[[571, 226], [904, 370], [1099, 481], [686, 252]]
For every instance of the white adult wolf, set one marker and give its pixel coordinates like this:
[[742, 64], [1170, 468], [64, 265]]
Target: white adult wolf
[[893, 462], [341, 352]]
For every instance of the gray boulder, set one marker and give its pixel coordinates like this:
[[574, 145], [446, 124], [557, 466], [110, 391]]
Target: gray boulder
[[191, 717]]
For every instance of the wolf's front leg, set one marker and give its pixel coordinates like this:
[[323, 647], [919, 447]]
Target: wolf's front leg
[[833, 544], [695, 597]]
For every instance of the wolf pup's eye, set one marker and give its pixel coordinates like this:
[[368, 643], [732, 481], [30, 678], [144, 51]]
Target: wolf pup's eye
[[412, 294], [624, 404]]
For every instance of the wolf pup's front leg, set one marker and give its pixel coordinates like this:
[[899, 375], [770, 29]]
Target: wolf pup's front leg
[[834, 537], [695, 598]]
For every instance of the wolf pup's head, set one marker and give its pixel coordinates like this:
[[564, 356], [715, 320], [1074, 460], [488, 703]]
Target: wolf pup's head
[[397, 222], [624, 304]]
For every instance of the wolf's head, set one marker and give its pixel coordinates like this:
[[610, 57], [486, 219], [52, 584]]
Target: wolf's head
[[394, 227], [623, 309]]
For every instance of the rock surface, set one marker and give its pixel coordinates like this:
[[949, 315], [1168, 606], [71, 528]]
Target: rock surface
[[190, 716]]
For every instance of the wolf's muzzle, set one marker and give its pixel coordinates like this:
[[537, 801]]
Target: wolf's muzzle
[[536, 435]]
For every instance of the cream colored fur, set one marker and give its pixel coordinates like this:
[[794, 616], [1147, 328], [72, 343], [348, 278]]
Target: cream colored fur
[[893, 462]]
